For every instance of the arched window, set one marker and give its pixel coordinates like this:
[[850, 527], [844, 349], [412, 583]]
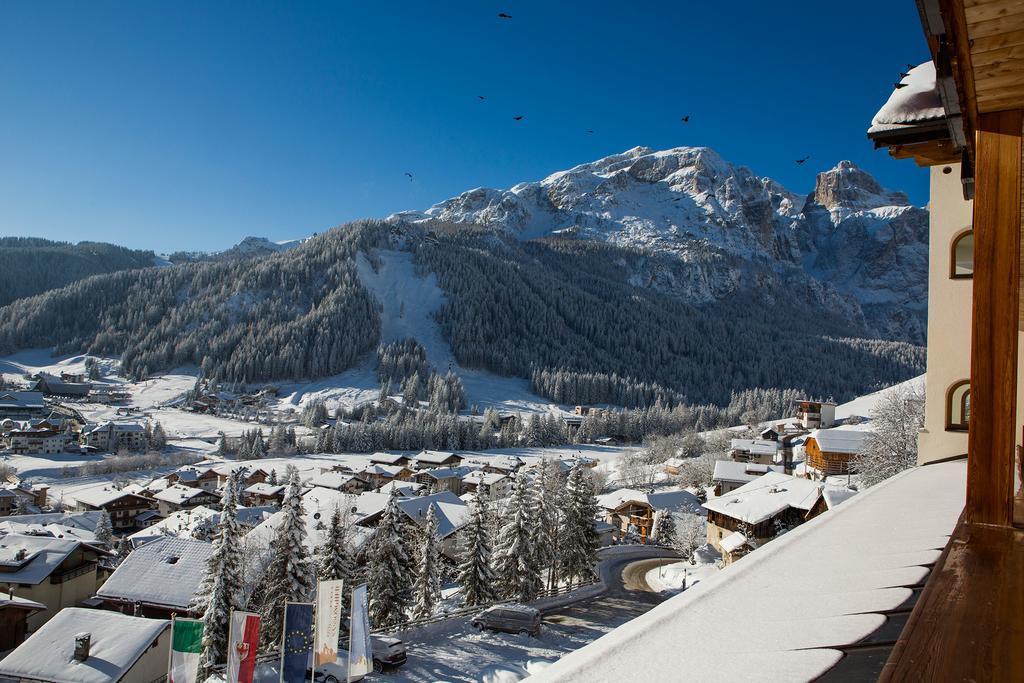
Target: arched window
[[958, 406], [961, 265]]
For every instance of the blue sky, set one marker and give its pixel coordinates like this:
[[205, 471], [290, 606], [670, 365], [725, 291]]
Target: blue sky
[[189, 125]]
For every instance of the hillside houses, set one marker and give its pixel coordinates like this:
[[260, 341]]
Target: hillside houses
[[829, 451], [762, 451], [55, 572], [632, 512], [122, 506], [22, 405], [731, 474], [113, 436], [428, 459], [487, 484], [59, 387], [158, 579], [180, 497], [759, 511], [92, 646], [262, 494]]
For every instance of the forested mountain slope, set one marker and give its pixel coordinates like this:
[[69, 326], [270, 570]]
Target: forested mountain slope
[[848, 239], [30, 265], [568, 307]]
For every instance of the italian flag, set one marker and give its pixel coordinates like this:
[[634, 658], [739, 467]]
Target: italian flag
[[186, 647]]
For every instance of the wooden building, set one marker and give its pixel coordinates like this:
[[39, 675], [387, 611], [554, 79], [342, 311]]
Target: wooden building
[[977, 49], [830, 451]]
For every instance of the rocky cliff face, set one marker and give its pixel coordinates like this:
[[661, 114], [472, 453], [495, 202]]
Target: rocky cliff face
[[849, 245]]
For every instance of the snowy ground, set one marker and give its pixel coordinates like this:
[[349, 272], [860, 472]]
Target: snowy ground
[[673, 578], [454, 651]]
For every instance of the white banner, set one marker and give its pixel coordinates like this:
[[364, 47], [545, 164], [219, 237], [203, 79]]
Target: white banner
[[360, 649], [328, 622]]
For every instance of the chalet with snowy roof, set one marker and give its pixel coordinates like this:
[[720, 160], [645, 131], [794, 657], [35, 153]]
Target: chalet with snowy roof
[[22, 498], [403, 488], [318, 505], [194, 476], [112, 436], [452, 515], [50, 385], [56, 572], [673, 466], [829, 451], [815, 414], [378, 475], [123, 507], [730, 475], [487, 484], [381, 458], [249, 474], [14, 614], [428, 459], [632, 511], [91, 646], [443, 478], [158, 579], [80, 525], [22, 405], [760, 510], [31, 437], [499, 464], [339, 481], [264, 494], [180, 497], [753, 450]]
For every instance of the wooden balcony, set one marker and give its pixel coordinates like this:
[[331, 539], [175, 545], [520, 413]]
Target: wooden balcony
[[969, 622]]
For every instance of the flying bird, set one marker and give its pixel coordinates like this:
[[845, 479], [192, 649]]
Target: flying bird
[[685, 119], [481, 97], [410, 176], [589, 131], [518, 118], [502, 15], [800, 162]]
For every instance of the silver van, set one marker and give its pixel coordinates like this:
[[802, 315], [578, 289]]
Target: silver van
[[510, 619]]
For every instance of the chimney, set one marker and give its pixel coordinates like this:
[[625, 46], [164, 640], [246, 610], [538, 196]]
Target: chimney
[[82, 641]]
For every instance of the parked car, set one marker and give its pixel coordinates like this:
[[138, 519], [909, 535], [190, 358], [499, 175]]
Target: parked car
[[510, 619], [388, 653]]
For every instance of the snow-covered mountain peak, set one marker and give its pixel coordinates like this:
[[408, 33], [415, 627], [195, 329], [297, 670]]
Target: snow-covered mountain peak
[[846, 189]]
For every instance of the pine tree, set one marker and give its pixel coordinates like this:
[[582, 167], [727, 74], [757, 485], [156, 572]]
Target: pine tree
[[288, 577], [158, 441], [221, 589], [222, 445], [427, 589], [389, 571], [105, 530], [272, 478], [475, 574], [515, 555], [545, 497], [664, 531], [579, 541], [259, 448], [335, 562]]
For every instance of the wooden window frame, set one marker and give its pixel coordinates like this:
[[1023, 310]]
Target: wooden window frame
[[957, 238], [958, 426]]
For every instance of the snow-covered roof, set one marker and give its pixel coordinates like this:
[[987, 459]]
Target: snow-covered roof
[[434, 457], [117, 641], [484, 478], [332, 480], [662, 500], [452, 512], [852, 565], [86, 521], [31, 559], [388, 458], [8, 600], [918, 101], [165, 572], [835, 495], [767, 496], [9, 525], [318, 506], [264, 489], [100, 495], [731, 470], [381, 470], [733, 541], [179, 493], [755, 446], [839, 440], [447, 472], [21, 399], [404, 488]]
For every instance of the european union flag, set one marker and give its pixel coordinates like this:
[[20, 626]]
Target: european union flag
[[298, 642]]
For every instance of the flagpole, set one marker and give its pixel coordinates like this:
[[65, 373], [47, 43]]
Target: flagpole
[[312, 668], [227, 658], [284, 637], [351, 621], [170, 649]]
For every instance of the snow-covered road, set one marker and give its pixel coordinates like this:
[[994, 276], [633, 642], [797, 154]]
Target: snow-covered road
[[454, 651]]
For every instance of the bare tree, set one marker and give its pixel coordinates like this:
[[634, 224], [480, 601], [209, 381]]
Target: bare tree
[[690, 534], [891, 446]]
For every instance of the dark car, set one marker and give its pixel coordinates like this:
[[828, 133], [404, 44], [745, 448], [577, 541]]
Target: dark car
[[509, 619]]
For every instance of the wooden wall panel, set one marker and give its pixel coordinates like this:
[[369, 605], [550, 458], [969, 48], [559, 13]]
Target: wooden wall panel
[[995, 319]]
